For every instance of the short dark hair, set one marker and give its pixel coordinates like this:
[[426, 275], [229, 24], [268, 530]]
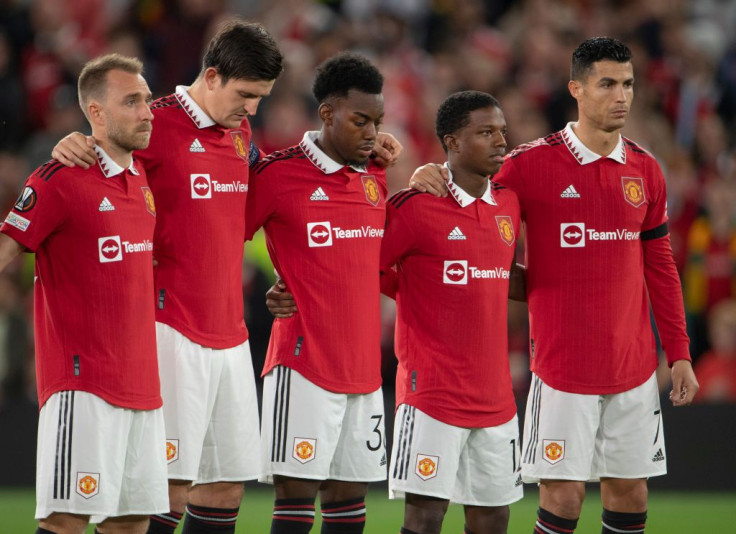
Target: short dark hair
[[92, 82], [597, 49], [243, 51], [345, 71], [454, 113]]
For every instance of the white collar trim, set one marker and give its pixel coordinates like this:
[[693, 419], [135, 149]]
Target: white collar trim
[[319, 159], [108, 167], [196, 113], [584, 155], [465, 199]]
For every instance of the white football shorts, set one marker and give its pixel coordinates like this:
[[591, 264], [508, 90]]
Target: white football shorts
[[100, 460], [210, 410], [569, 436], [469, 466], [311, 433]]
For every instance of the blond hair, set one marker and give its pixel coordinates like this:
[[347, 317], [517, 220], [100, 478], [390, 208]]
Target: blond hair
[[92, 83]]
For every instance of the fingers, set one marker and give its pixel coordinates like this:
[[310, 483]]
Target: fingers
[[280, 302], [684, 384], [383, 156], [75, 150]]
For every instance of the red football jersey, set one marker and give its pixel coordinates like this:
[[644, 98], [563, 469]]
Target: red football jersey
[[453, 257], [92, 232], [324, 223], [596, 238], [198, 172]]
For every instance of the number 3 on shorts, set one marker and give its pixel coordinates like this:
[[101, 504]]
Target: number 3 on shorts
[[377, 431]]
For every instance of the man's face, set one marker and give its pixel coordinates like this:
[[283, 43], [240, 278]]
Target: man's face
[[605, 95], [230, 102], [351, 124], [127, 110], [480, 146]]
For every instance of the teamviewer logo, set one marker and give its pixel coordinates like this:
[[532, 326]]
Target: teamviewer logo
[[110, 249], [201, 185], [319, 234], [456, 272], [572, 235]]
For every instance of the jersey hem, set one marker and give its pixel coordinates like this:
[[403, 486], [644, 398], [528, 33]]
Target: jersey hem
[[579, 389], [501, 419], [145, 406], [218, 343], [362, 388]]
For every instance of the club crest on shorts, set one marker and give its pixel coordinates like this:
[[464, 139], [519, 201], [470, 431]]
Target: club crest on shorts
[[370, 186], [239, 143], [426, 467], [304, 450], [172, 450], [554, 450], [633, 190], [148, 197], [506, 227], [88, 484]]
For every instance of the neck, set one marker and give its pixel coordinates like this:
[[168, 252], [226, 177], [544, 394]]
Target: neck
[[119, 155], [197, 91], [328, 148], [599, 141], [472, 183]]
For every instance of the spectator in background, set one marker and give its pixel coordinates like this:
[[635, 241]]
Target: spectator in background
[[716, 369]]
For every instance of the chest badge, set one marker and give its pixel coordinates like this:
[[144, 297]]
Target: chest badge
[[506, 228], [370, 186], [148, 197], [239, 143], [633, 190]]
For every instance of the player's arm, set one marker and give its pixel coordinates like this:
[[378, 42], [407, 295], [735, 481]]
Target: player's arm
[[76, 149], [517, 282], [9, 250], [279, 301], [387, 150], [430, 178], [399, 240]]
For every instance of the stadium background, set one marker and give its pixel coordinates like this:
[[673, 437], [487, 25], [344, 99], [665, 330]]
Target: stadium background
[[684, 112]]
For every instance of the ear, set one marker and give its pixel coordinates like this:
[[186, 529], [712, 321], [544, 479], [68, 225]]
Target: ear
[[326, 113], [211, 78], [575, 88], [451, 142], [96, 113]]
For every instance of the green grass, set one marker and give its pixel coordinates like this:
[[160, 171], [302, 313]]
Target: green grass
[[669, 513]]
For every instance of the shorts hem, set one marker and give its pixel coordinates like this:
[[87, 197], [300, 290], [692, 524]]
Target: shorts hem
[[248, 478], [268, 478]]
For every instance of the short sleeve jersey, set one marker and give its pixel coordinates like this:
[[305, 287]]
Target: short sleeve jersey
[[453, 257], [323, 222], [92, 232], [198, 172], [586, 218]]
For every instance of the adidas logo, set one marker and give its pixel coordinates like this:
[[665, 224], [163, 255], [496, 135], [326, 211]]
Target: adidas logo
[[106, 205], [383, 460], [319, 194], [659, 457], [518, 482], [456, 235], [570, 192], [196, 146]]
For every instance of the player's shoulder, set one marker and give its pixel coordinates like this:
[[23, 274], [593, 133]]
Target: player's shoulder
[[635, 150], [165, 105], [502, 194], [408, 199], [538, 146], [277, 160], [53, 173]]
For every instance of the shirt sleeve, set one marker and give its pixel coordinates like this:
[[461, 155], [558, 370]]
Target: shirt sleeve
[[663, 282], [39, 210], [260, 201], [398, 242]]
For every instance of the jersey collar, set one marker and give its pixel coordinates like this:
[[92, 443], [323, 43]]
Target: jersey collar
[[196, 113], [463, 198], [108, 167], [584, 155], [321, 160]]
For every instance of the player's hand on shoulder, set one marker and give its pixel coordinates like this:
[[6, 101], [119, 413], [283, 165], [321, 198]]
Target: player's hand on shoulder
[[387, 150], [430, 178], [684, 383], [279, 301], [76, 149]]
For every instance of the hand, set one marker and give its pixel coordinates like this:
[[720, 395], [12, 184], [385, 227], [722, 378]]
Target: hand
[[684, 383], [75, 149], [430, 178], [279, 301], [386, 150]]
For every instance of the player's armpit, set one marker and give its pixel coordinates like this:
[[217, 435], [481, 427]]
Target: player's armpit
[[387, 150], [430, 178], [684, 383], [75, 149], [517, 282], [389, 282], [280, 302], [9, 249]]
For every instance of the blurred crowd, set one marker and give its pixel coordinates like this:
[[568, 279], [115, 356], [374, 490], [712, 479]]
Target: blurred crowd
[[684, 112]]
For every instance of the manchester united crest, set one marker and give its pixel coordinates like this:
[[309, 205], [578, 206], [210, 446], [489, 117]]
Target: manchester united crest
[[304, 450], [172, 450], [633, 190], [554, 450], [426, 467], [506, 228], [88, 484], [150, 204], [370, 186], [239, 143]]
